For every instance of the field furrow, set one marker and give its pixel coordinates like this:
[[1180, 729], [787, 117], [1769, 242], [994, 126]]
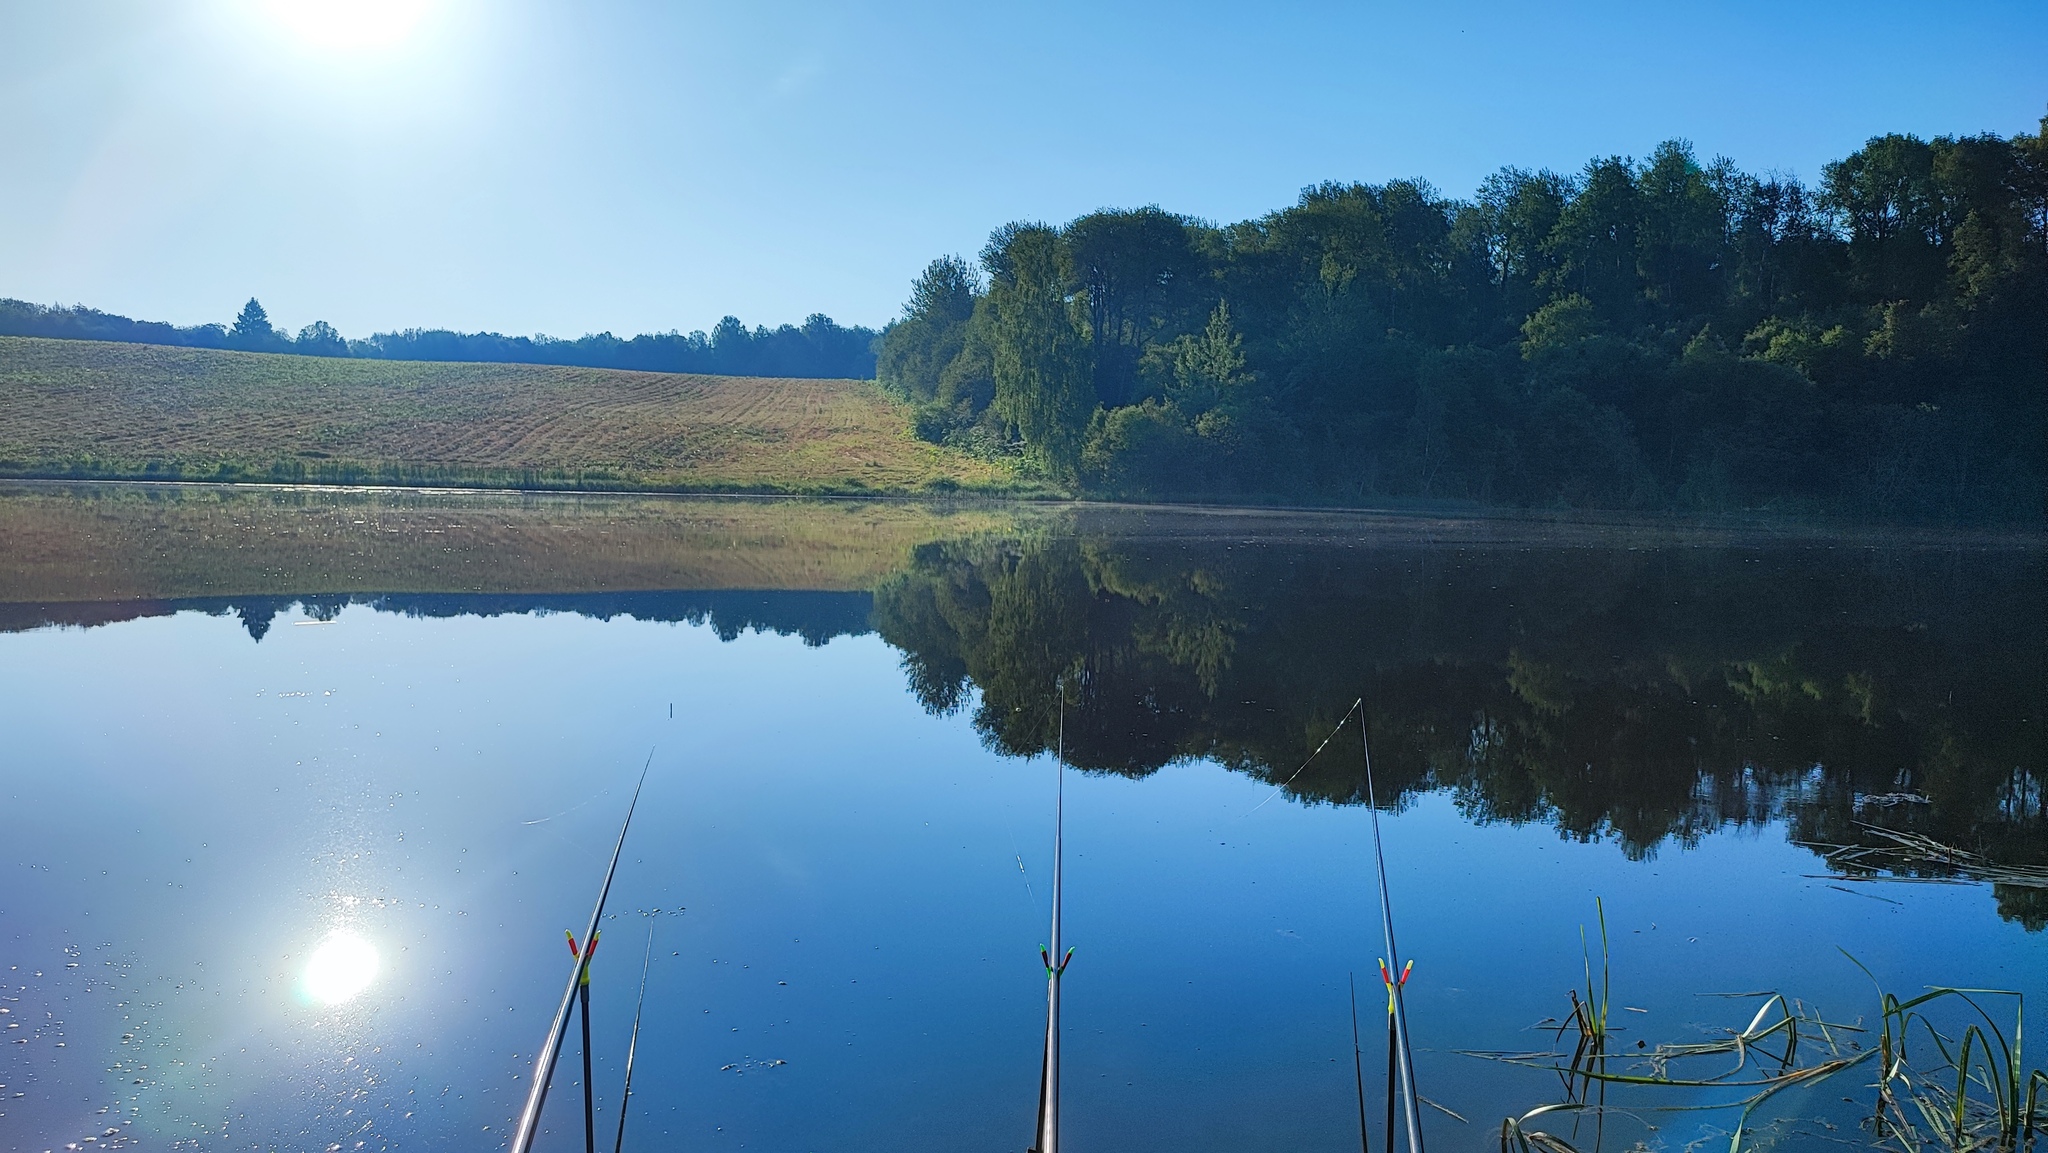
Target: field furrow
[[89, 409]]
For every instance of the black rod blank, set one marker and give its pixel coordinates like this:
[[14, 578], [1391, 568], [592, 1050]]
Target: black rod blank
[[551, 1049]]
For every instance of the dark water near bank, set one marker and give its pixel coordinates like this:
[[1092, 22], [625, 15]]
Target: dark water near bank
[[843, 846]]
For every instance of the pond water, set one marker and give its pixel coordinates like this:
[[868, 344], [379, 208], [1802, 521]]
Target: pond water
[[302, 789]]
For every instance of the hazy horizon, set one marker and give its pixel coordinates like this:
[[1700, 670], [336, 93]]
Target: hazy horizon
[[639, 168]]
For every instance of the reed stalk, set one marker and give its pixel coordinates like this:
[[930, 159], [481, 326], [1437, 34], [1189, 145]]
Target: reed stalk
[[1976, 1093]]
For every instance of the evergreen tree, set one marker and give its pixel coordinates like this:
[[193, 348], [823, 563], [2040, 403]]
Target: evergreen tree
[[252, 328]]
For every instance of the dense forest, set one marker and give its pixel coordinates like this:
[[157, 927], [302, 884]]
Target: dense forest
[[821, 348], [1663, 333]]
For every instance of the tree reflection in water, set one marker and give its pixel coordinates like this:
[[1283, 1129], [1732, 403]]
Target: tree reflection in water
[[1643, 692]]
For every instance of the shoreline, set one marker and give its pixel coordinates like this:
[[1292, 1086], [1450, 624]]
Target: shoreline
[[1769, 525]]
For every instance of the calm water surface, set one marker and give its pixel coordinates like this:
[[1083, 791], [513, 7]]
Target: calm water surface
[[842, 852]]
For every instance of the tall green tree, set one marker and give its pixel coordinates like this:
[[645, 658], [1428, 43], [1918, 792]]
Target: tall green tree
[[1595, 241], [1778, 239], [252, 329], [916, 349], [320, 339], [1208, 366], [1041, 362], [1886, 194], [1137, 274], [1685, 225], [1513, 216]]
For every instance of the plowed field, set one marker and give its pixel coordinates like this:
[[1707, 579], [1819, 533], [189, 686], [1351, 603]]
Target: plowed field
[[91, 409]]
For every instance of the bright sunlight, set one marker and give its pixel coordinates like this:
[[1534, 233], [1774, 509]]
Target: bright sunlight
[[349, 24], [343, 966]]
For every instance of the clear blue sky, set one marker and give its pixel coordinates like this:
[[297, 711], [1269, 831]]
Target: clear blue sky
[[567, 168]]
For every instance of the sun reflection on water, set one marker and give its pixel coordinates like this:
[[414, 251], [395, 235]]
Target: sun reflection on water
[[341, 967]]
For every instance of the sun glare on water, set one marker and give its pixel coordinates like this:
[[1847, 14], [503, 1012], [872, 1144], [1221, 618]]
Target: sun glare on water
[[349, 24], [343, 966]]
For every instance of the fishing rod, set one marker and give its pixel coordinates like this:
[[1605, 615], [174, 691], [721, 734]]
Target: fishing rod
[[1055, 963], [1393, 1059], [551, 1049], [626, 1098], [589, 1085], [1395, 976]]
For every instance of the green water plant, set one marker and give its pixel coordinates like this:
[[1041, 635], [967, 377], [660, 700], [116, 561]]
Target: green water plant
[[1943, 1083], [1589, 1016], [1977, 1094]]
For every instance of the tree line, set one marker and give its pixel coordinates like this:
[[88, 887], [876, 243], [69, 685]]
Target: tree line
[[819, 348], [1663, 333]]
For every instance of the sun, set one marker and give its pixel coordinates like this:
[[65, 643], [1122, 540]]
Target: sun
[[349, 24]]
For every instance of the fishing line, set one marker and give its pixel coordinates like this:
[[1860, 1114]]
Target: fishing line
[[1311, 757], [1018, 853], [572, 808]]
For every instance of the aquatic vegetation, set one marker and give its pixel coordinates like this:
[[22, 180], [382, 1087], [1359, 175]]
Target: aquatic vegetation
[[1900, 855], [1948, 1075]]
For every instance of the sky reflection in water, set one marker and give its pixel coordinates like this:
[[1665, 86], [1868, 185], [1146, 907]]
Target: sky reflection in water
[[845, 946]]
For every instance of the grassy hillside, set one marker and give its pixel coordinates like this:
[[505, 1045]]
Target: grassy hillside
[[71, 408]]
